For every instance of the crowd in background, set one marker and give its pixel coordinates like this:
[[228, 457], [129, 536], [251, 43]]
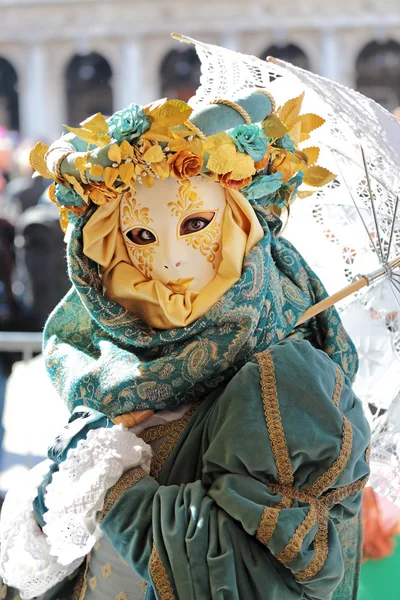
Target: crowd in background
[[33, 275]]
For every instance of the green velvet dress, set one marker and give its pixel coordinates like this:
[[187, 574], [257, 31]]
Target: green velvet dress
[[254, 494]]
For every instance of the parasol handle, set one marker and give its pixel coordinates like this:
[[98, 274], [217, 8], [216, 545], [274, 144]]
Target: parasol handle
[[363, 281]]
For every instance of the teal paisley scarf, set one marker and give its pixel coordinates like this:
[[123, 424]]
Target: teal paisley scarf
[[100, 355]]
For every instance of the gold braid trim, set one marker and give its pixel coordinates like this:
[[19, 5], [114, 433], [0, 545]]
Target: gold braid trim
[[81, 584], [368, 453], [195, 130], [270, 96], [343, 492], [114, 494], [293, 548], [159, 576], [326, 480], [269, 520], [242, 112], [273, 418], [58, 174], [320, 552], [173, 432], [337, 392]]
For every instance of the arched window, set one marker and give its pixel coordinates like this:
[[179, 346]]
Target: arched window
[[180, 74], [288, 52], [88, 82], [9, 115], [378, 73]]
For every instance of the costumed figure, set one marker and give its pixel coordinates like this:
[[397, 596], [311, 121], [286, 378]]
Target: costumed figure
[[245, 479]]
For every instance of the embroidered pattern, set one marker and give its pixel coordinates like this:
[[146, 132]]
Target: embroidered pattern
[[273, 418], [159, 577], [205, 241], [133, 215], [114, 494], [172, 431], [314, 494], [188, 201], [269, 520], [81, 584]]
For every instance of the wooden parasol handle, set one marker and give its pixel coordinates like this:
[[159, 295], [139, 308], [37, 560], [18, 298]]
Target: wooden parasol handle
[[363, 281]]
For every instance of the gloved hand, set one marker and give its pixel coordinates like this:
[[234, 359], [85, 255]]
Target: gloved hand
[[82, 420]]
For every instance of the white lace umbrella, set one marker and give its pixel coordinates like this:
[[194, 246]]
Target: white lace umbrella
[[348, 229]]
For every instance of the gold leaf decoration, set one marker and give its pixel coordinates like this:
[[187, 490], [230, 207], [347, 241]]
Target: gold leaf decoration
[[96, 171], [196, 146], [291, 110], [114, 153], [110, 175], [214, 142], [38, 162], [161, 169], [96, 124], [89, 136], [243, 166], [274, 127], [222, 160], [77, 186], [178, 144], [153, 154], [318, 176], [308, 123], [126, 150], [127, 172], [312, 154], [171, 113]]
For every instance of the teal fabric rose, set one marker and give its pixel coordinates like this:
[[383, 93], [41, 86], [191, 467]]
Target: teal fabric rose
[[263, 185], [291, 187], [250, 139], [286, 142], [128, 124], [66, 197]]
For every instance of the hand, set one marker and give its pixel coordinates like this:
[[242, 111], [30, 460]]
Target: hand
[[133, 418]]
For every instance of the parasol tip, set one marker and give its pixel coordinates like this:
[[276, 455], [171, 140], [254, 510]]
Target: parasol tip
[[181, 38]]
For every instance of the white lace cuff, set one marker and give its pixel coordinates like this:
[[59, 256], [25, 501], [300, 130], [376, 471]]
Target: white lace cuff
[[78, 489], [25, 560]]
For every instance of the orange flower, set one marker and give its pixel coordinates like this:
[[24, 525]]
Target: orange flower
[[226, 181], [185, 164]]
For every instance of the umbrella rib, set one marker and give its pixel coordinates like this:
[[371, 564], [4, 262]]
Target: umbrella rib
[[393, 226], [396, 297], [373, 205], [347, 157], [357, 208]]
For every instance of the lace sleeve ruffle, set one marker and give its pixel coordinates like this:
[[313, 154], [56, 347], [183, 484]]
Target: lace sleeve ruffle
[[25, 560], [33, 560], [78, 489]]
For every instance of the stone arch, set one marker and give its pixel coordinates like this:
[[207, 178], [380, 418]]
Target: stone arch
[[180, 74], [9, 105], [88, 81], [378, 72], [288, 52]]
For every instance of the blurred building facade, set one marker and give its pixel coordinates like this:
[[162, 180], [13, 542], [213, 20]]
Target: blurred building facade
[[61, 61]]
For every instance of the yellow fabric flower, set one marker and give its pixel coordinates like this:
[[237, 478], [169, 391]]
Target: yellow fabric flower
[[185, 164]]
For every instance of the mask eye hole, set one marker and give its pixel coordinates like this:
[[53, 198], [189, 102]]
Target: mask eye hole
[[195, 223], [141, 236]]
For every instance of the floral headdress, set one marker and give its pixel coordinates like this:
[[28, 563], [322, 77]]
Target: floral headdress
[[139, 145]]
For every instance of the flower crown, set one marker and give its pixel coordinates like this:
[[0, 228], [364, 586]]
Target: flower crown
[[140, 145]]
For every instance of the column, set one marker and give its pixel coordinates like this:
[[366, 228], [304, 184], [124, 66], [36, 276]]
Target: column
[[330, 65], [34, 94], [229, 41], [129, 82]]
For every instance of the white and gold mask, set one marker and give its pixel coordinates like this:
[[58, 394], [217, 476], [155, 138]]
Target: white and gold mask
[[169, 253], [173, 232]]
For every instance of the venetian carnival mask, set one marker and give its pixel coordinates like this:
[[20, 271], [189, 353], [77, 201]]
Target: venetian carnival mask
[[173, 232]]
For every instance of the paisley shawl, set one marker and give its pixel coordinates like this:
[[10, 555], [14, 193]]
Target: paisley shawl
[[99, 354]]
